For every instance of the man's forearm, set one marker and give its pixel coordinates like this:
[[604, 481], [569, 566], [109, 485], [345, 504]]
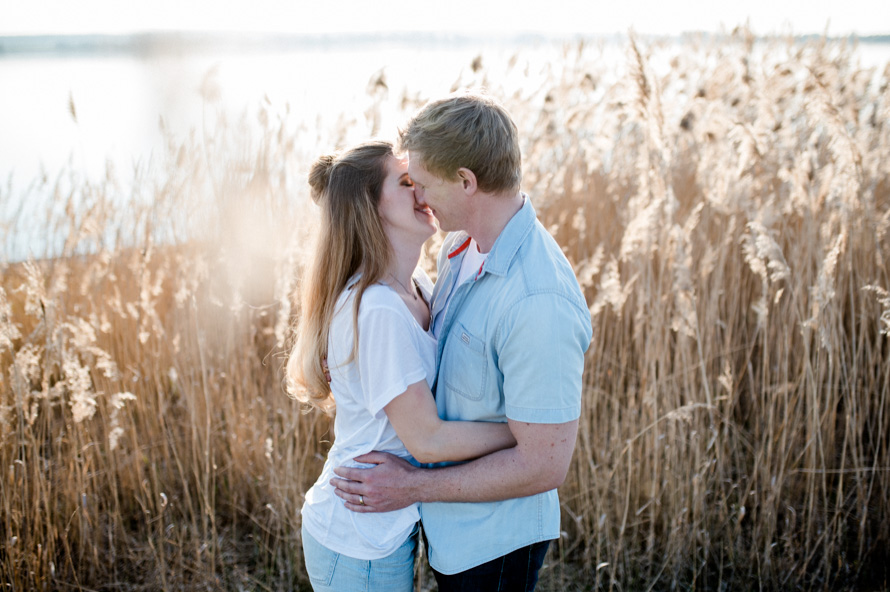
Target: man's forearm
[[532, 467], [497, 476]]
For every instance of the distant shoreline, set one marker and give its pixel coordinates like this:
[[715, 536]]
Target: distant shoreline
[[153, 43], [198, 42]]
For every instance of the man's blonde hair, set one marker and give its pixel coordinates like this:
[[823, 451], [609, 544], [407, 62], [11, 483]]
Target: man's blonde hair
[[469, 130]]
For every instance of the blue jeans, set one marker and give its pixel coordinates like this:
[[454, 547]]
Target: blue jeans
[[514, 572], [334, 572]]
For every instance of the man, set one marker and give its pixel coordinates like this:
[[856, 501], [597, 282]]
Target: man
[[512, 328]]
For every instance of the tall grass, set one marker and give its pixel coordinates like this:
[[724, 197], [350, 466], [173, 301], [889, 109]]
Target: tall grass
[[725, 204], [732, 239]]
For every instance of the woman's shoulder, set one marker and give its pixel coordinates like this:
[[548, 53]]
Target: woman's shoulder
[[377, 299], [379, 296]]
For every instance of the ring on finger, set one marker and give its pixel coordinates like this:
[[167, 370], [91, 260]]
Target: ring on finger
[[361, 500]]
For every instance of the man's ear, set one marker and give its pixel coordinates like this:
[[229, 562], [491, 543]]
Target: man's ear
[[468, 180]]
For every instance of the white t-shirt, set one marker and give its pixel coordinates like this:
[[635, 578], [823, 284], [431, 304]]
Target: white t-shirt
[[469, 267], [394, 351]]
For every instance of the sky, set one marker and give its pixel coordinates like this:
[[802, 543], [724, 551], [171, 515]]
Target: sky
[[471, 17]]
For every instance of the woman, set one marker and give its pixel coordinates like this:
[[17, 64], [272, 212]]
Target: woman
[[365, 312]]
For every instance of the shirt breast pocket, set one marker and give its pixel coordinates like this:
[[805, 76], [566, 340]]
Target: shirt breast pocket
[[464, 365]]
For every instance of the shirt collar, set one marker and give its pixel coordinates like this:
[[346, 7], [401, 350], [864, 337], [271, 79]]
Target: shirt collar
[[507, 243], [510, 239]]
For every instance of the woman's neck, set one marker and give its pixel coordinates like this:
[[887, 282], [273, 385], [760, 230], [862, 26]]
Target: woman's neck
[[403, 262]]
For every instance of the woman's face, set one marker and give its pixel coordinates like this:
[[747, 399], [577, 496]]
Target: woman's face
[[404, 220]]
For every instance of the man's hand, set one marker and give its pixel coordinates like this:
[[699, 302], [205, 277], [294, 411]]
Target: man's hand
[[383, 488]]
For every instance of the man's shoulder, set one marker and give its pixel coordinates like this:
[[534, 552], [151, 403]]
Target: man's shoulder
[[542, 264]]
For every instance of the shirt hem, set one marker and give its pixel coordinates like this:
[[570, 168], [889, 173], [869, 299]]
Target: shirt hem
[[394, 391], [532, 415], [486, 559], [322, 540]]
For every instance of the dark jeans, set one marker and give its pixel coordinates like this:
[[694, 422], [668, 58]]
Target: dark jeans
[[514, 572]]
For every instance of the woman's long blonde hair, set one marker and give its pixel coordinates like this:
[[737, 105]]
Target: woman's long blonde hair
[[347, 187]]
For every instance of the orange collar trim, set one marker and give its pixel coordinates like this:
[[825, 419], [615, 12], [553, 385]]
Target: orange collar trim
[[460, 249]]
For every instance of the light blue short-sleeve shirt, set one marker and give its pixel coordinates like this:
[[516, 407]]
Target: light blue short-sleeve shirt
[[511, 345]]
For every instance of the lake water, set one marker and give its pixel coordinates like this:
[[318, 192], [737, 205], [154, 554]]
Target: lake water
[[118, 100]]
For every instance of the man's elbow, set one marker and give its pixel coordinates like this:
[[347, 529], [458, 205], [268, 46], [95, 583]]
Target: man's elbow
[[548, 475], [545, 453], [554, 477]]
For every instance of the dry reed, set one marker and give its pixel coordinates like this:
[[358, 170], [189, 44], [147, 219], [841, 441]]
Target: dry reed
[[727, 216]]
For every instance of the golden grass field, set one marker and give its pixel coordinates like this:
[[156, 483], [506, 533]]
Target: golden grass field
[[728, 220]]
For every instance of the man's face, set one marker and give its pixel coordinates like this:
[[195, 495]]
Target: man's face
[[446, 199]]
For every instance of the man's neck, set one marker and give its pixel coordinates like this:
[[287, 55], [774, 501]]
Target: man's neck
[[491, 217]]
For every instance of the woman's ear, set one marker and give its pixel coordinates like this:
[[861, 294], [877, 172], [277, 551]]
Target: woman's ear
[[468, 180]]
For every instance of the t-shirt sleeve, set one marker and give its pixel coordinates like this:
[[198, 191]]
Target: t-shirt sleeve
[[541, 345], [388, 360]]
